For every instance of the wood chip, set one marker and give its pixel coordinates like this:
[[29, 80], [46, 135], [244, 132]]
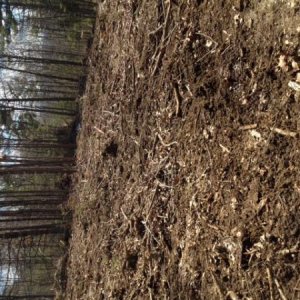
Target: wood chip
[[232, 295], [282, 64], [98, 130], [248, 127], [284, 132], [294, 85], [224, 149]]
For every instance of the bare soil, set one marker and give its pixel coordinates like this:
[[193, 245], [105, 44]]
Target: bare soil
[[188, 158]]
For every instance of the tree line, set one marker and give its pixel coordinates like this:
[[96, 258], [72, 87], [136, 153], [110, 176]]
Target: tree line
[[42, 65]]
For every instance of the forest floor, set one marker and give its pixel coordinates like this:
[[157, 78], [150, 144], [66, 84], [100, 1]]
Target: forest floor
[[188, 159]]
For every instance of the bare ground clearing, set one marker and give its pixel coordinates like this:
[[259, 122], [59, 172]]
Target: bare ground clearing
[[188, 159]]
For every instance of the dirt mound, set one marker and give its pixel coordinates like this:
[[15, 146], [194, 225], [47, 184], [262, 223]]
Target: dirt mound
[[188, 156]]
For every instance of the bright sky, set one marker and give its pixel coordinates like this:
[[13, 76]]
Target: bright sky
[[8, 276]]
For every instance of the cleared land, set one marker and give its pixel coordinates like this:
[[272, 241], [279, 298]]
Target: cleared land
[[188, 158]]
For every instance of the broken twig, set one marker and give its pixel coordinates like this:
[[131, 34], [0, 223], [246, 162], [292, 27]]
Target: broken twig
[[98, 129], [165, 144], [284, 132], [282, 296], [248, 127], [270, 284]]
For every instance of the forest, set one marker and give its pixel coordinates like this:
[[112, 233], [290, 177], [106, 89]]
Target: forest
[[43, 46]]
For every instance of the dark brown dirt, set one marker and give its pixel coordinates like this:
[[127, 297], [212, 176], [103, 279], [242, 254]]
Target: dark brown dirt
[[188, 159]]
